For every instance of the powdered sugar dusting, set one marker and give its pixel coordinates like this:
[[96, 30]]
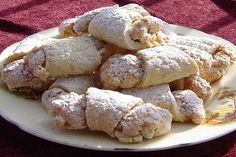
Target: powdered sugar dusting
[[123, 71]]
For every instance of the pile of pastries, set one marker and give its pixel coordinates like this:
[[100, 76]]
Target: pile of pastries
[[118, 70]]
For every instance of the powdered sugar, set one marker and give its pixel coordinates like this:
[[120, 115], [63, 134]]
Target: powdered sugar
[[123, 71]]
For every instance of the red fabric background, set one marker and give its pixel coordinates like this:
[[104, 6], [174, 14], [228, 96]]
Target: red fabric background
[[20, 18]]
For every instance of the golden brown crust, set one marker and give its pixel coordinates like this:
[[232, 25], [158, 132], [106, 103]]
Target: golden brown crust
[[190, 106], [199, 86]]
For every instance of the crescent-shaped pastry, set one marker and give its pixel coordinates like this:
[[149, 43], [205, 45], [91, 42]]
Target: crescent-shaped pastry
[[190, 105], [124, 117], [55, 58], [159, 95], [194, 83], [153, 66], [105, 109], [131, 30], [29, 44], [78, 26], [164, 64], [180, 104], [18, 76], [222, 54], [67, 109], [71, 56], [112, 26], [208, 45], [202, 43]]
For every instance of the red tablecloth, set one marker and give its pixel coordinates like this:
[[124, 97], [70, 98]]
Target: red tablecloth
[[20, 18]]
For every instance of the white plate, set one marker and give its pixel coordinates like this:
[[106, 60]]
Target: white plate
[[31, 117]]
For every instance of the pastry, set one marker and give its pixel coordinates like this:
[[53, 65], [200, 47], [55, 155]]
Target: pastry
[[159, 76], [222, 55], [131, 30], [55, 58], [153, 66], [199, 86], [29, 44], [194, 83], [78, 25], [121, 71], [18, 77], [124, 117], [71, 56], [67, 109], [131, 25], [190, 105], [161, 96]]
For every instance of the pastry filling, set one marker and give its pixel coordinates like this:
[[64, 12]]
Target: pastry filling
[[19, 76], [147, 32], [27, 75]]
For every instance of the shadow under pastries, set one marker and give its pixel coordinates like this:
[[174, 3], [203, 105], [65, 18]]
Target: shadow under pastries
[[21, 7], [213, 26], [9, 26], [229, 7]]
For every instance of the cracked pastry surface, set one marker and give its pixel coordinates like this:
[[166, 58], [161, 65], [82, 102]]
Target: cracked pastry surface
[[159, 95], [78, 26], [162, 64], [122, 71], [199, 86], [72, 56], [36, 61], [124, 117], [222, 55], [143, 121], [18, 76], [27, 45], [190, 105], [194, 83], [131, 25], [147, 31], [67, 109]]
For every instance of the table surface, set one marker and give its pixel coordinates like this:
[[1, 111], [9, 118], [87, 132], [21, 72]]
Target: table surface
[[20, 18]]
